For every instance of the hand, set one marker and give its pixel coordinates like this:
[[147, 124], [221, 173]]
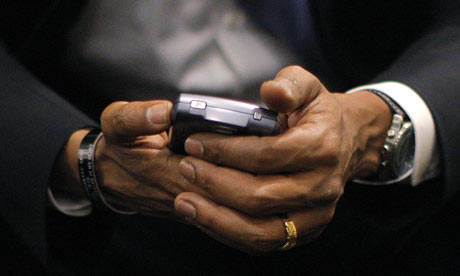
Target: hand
[[329, 139], [135, 169]]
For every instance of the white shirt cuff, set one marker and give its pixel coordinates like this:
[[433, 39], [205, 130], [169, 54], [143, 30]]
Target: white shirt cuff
[[426, 157], [70, 205]]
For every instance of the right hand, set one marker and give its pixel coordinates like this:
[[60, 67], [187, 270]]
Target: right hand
[[135, 169]]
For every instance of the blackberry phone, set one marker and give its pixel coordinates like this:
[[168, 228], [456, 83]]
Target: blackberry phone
[[194, 113]]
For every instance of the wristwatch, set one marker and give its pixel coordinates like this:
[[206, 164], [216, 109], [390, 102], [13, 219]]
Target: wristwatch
[[397, 155]]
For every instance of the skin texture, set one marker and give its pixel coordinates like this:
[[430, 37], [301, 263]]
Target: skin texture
[[330, 138], [235, 188], [135, 169]]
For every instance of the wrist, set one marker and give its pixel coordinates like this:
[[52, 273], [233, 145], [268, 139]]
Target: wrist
[[66, 179], [369, 119], [87, 172]]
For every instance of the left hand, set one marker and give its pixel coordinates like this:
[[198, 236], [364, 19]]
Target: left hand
[[329, 139]]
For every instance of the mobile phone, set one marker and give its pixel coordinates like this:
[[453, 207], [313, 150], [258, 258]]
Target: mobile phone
[[194, 113]]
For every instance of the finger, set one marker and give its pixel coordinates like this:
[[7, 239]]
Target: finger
[[310, 223], [295, 150], [142, 180], [229, 226], [250, 234], [262, 194], [132, 119], [292, 87]]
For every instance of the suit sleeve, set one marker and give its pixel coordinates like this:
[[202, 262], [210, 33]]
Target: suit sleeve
[[35, 124], [431, 66], [380, 221]]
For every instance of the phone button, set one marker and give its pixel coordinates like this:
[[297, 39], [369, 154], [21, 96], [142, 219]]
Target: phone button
[[198, 104]]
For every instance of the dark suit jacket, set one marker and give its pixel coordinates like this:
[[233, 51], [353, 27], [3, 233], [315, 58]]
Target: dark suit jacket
[[417, 43]]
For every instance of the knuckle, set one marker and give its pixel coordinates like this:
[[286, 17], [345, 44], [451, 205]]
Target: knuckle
[[289, 70], [252, 208], [323, 221], [122, 120], [333, 191], [217, 152], [304, 196], [331, 147], [269, 155], [266, 156], [326, 193], [313, 81], [263, 241], [204, 182], [329, 216], [258, 203], [296, 69], [320, 225], [295, 73], [207, 221], [111, 114]]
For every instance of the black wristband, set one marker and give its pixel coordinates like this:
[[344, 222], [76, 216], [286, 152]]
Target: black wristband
[[391, 104], [87, 171]]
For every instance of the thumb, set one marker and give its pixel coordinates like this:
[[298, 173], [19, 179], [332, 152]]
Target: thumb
[[292, 87], [131, 119]]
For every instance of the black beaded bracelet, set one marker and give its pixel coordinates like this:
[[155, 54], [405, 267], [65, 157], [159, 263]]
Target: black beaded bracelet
[[87, 171]]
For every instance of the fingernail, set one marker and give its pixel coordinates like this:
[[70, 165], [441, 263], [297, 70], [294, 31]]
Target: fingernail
[[194, 147], [186, 209], [187, 170], [156, 114]]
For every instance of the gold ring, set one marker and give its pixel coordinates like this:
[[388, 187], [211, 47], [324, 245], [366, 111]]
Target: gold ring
[[291, 234]]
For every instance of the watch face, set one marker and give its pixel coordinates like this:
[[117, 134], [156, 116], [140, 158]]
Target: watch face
[[404, 151]]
